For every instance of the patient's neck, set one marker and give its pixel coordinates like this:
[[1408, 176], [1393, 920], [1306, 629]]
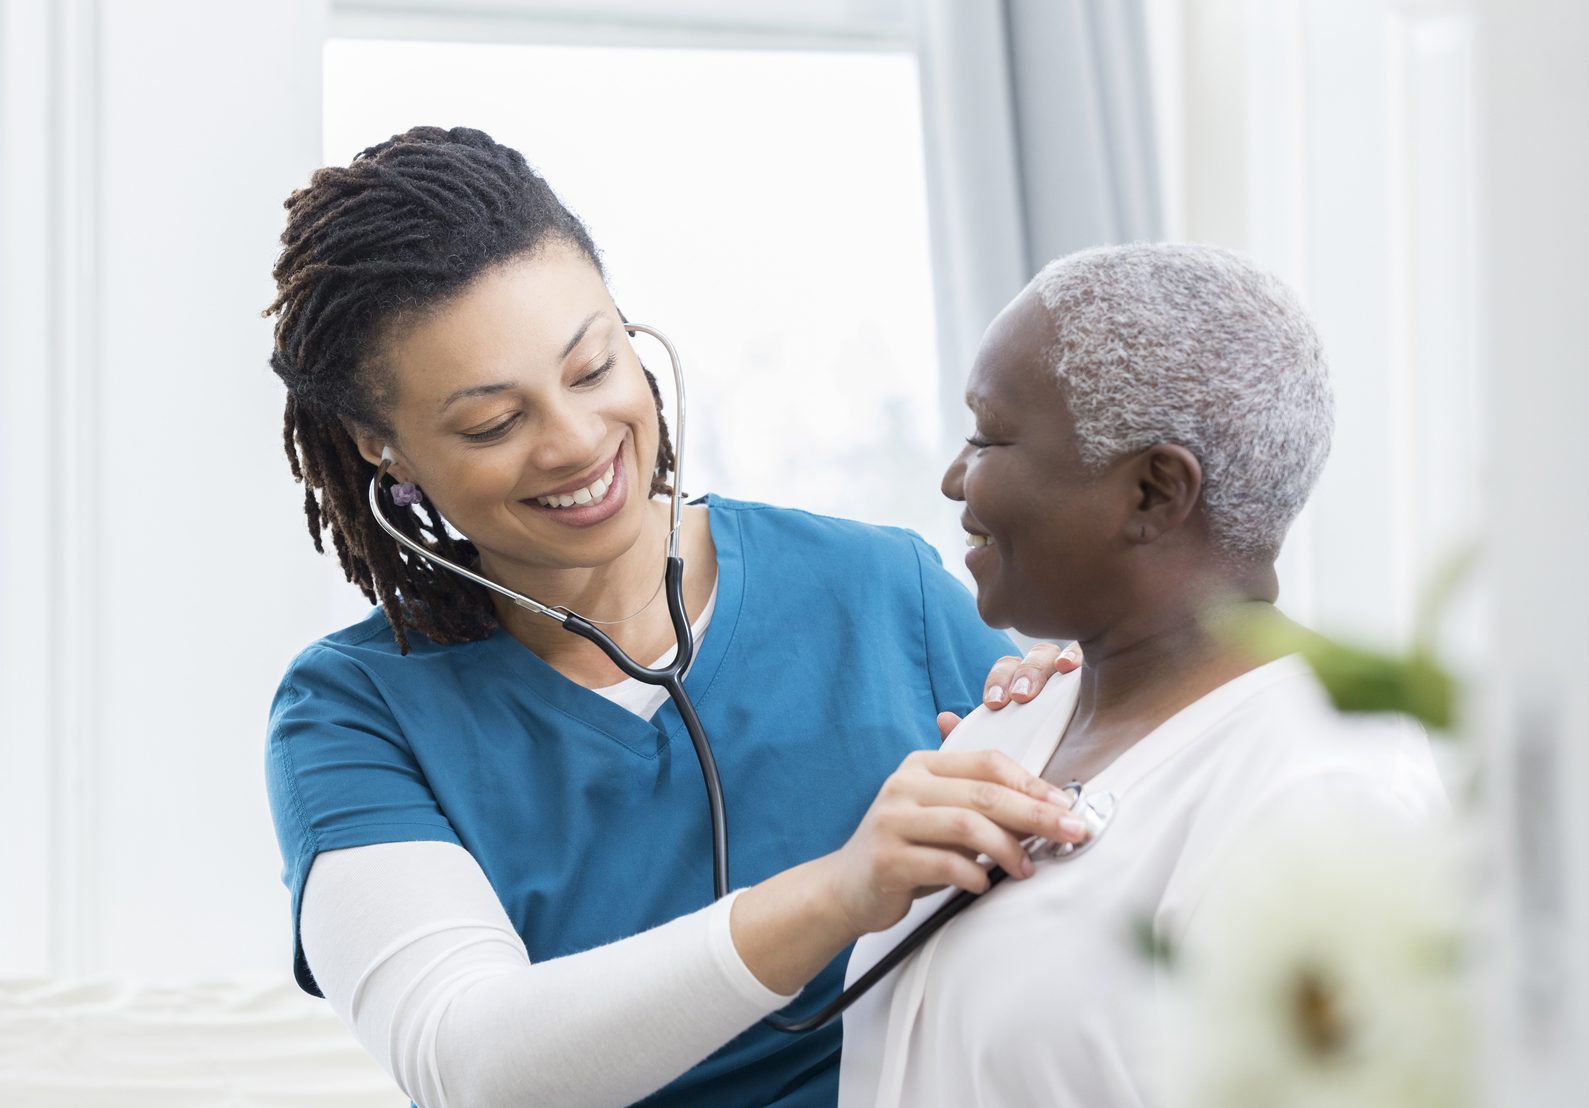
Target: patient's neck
[[1143, 670]]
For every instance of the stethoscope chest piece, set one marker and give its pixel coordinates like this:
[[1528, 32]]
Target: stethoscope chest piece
[[1096, 810]]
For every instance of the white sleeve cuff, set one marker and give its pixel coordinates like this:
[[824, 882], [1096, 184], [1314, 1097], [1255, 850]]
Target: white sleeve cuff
[[720, 937]]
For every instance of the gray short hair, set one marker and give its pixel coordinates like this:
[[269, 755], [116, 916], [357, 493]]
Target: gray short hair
[[1195, 345]]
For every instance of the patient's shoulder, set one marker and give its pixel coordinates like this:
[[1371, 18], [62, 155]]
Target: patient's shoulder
[[1019, 729], [1286, 744]]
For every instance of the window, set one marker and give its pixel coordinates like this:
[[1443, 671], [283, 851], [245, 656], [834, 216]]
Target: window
[[766, 208]]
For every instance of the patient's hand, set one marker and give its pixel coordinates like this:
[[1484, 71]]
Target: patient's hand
[[1017, 680]]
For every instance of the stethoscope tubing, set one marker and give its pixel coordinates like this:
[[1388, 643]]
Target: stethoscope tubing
[[911, 943], [907, 946], [669, 677]]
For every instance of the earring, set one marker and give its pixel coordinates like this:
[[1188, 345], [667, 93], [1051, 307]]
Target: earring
[[406, 494]]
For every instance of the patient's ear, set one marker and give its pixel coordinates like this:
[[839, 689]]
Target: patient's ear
[[1169, 484]]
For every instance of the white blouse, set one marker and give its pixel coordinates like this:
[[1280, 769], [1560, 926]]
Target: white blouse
[[1041, 993]]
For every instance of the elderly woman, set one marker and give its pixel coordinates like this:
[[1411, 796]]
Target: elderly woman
[[1149, 421]]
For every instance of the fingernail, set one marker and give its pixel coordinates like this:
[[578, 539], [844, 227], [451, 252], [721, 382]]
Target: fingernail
[[1071, 653], [1026, 865], [1071, 825], [1022, 686], [995, 694], [1058, 797]]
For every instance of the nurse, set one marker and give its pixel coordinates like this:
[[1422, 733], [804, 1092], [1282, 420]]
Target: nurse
[[1165, 410], [497, 847]]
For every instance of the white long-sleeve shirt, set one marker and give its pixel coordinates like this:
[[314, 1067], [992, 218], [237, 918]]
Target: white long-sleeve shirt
[[412, 948]]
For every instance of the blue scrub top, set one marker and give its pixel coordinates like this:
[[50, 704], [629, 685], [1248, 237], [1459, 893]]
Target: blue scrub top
[[832, 647]]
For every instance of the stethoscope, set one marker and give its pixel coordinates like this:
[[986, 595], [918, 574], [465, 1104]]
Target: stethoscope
[[1096, 812]]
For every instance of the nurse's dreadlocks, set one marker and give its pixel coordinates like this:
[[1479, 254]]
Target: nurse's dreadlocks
[[409, 224]]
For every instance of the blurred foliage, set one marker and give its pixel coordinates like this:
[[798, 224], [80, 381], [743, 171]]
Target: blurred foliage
[[1152, 946], [1359, 679], [1363, 679]]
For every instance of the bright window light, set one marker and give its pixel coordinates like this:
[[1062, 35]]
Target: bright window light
[[766, 209]]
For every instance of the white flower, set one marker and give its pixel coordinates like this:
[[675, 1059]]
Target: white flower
[[1323, 970]]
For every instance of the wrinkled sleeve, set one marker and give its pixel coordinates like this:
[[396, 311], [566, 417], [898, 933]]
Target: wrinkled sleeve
[[418, 958], [340, 774], [961, 649]]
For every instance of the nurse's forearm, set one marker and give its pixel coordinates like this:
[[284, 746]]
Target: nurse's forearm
[[790, 926], [414, 951], [931, 819]]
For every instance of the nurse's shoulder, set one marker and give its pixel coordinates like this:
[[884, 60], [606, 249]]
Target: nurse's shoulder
[[362, 668], [822, 542], [370, 641]]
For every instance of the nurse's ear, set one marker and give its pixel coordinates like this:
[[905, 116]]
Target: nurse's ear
[[376, 448], [1168, 485]]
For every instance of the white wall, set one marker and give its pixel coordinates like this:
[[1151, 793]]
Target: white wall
[[157, 578], [27, 398]]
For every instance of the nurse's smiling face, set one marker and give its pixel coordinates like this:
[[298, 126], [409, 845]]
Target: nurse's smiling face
[[1055, 529], [519, 393]]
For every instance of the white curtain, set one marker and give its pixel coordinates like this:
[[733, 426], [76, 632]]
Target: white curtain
[[1039, 141]]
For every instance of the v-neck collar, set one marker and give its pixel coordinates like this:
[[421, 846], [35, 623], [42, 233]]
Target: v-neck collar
[[589, 709], [1178, 733]]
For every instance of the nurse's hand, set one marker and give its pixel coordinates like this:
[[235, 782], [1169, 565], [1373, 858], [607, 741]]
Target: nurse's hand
[[931, 820], [1016, 680]]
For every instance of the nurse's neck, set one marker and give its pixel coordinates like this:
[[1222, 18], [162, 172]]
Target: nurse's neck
[[626, 587], [1164, 653]]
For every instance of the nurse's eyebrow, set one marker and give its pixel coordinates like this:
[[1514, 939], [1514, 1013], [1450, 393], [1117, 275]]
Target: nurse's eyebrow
[[478, 390], [487, 390], [579, 334]]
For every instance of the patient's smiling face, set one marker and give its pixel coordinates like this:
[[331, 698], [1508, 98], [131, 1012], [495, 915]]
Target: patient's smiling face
[[1056, 527]]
